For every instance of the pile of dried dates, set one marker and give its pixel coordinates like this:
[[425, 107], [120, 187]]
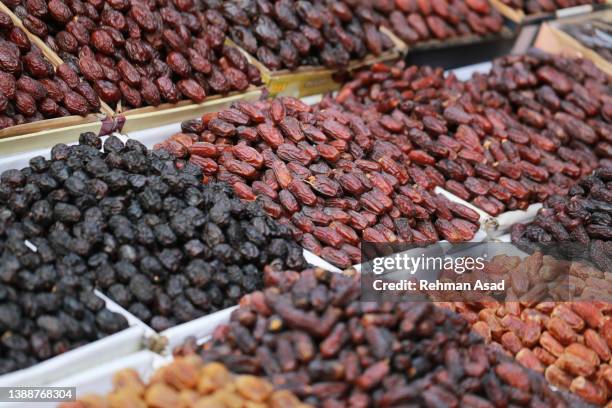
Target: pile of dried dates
[[546, 6], [46, 308], [525, 131], [138, 53], [187, 382], [418, 22], [310, 334], [30, 89], [288, 33], [325, 173], [141, 228], [569, 342], [582, 219], [593, 34]]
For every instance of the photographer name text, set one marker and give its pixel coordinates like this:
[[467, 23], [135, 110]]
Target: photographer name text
[[424, 285]]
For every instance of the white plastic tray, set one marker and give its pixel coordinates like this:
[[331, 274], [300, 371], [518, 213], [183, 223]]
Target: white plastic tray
[[204, 326], [198, 328], [98, 380], [117, 345], [132, 320], [465, 73], [501, 224], [496, 226]]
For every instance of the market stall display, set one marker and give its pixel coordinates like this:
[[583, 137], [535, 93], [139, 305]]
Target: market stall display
[[525, 131], [335, 180], [187, 381], [46, 309], [583, 35], [312, 335], [188, 250], [140, 54], [139, 227], [303, 47]]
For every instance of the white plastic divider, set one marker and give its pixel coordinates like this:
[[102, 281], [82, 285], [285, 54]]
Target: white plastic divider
[[99, 379], [319, 262], [496, 226], [501, 224], [465, 73], [101, 351], [198, 328], [132, 320], [503, 238], [205, 325]]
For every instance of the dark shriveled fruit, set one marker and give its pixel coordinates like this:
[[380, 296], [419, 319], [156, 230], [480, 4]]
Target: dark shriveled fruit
[[322, 172], [310, 333], [136, 224]]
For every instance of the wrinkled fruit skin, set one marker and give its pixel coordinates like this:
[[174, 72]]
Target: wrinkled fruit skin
[[135, 224], [30, 88], [190, 378], [135, 55], [335, 349], [567, 341], [322, 172], [308, 33], [438, 20], [526, 131], [580, 220]]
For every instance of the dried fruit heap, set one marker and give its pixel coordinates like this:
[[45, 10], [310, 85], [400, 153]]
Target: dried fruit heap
[[46, 308], [147, 234], [525, 131], [569, 342], [288, 33], [188, 382], [324, 173], [29, 88], [583, 218], [312, 335], [546, 6], [420, 21], [140, 53]]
